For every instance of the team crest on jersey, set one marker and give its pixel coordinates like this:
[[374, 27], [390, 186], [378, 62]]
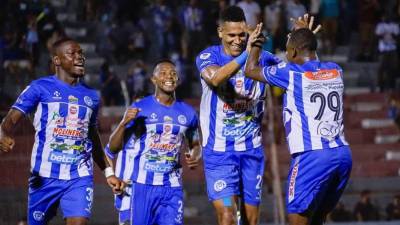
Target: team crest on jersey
[[72, 99], [153, 117], [205, 55], [88, 100], [219, 185], [38, 215], [272, 70], [56, 95], [182, 119]]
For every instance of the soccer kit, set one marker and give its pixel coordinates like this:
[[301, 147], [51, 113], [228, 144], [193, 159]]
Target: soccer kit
[[313, 120], [158, 133], [230, 120], [123, 170], [61, 161]]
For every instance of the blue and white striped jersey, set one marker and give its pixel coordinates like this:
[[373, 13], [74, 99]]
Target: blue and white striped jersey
[[313, 104], [123, 170], [64, 113], [158, 132], [231, 115]]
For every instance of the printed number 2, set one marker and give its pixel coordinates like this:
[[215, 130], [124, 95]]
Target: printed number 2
[[180, 206], [332, 97], [259, 182]]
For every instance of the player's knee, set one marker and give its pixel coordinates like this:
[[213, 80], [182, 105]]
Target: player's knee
[[76, 221], [226, 217], [252, 219]]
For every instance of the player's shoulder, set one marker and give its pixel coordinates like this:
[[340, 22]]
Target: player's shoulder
[[265, 54], [185, 107], [88, 89], [331, 65], [208, 52], [44, 81], [145, 101]]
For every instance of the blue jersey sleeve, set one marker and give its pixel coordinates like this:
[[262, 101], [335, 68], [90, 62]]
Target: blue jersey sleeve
[[28, 99], [269, 59], [277, 75], [192, 133], [94, 117], [107, 151], [206, 58]]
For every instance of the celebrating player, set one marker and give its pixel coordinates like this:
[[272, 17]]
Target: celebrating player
[[313, 120], [66, 139], [153, 130], [230, 118]]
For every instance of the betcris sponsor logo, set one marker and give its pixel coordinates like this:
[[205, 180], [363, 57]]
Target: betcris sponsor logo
[[240, 131], [158, 167], [63, 158]]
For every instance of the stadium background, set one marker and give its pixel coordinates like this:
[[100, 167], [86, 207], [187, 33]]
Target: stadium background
[[123, 38]]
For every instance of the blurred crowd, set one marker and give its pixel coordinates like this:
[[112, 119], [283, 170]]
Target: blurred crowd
[[136, 33], [366, 210]]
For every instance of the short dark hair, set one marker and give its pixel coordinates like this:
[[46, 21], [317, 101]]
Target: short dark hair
[[232, 14], [163, 61], [303, 39], [58, 43]]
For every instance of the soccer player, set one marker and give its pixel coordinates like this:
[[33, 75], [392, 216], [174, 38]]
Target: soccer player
[[313, 119], [230, 119], [154, 129], [66, 139]]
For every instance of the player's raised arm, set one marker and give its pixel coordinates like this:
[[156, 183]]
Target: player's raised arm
[[252, 68], [117, 137], [216, 75], [6, 129]]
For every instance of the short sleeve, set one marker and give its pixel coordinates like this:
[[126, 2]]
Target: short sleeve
[[192, 132], [94, 117], [28, 99], [277, 75], [108, 152], [206, 58], [269, 59]]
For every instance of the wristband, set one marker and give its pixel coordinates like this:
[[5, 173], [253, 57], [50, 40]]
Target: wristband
[[108, 172], [241, 59]]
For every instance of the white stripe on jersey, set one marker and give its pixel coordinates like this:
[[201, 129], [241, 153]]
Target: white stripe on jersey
[[142, 173], [36, 124], [295, 138], [45, 167], [205, 106]]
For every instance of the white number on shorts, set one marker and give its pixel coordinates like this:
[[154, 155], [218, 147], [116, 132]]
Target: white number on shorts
[[89, 198], [180, 206], [259, 182]]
